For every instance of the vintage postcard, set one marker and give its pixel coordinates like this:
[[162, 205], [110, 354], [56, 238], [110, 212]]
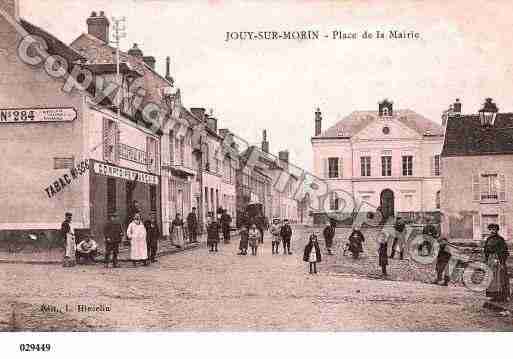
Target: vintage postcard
[[243, 166]]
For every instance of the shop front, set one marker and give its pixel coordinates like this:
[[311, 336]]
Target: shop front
[[115, 188]]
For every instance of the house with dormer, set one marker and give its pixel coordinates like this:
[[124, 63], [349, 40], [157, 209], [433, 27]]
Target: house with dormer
[[387, 158], [477, 159]]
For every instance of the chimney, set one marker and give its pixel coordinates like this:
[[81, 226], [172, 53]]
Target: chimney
[[198, 112], [456, 107], [212, 123], [135, 51], [98, 26], [150, 61], [284, 156], [265, 143], [318, 122], [168, 70]]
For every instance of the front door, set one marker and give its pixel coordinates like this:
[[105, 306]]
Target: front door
[[387, 204]]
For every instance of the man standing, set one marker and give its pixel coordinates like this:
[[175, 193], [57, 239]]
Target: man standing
[[68, 235], [398, 238], [152, 236], [226, 221], [286, 235], [113, 232], [192, 225], [429, 233], [212, 233], [329, 234]]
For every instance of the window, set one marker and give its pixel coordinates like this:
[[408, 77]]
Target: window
[[435, 165], [437, 200], [111, 195], [333, 167], [386, 165], [407, 165], [182, 151], [365, 162], [151, 153], [489, 186], [171, 147], [110, 140]]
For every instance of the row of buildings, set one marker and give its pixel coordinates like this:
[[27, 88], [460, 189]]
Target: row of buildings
[[85, 133], [458, 172]]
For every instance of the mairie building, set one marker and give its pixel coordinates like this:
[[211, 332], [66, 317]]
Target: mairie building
[[385, 158]]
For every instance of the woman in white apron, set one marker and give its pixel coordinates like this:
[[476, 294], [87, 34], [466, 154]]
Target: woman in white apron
[[177, 231], [136, 232]]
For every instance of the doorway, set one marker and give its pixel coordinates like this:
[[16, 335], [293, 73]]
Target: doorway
[[387, 203]]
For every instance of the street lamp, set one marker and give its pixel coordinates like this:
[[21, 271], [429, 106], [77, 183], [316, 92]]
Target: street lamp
[[488, 113]]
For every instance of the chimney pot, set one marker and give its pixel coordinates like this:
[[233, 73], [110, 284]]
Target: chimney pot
[[265, 143], [98, 26], [318, 122]]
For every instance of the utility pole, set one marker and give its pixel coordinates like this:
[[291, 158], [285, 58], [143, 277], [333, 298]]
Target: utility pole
[[119, 27]]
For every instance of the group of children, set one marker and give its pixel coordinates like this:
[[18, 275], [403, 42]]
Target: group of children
[[252, 236]]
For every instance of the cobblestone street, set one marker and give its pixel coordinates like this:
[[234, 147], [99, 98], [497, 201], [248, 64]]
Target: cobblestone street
[[198, 290]]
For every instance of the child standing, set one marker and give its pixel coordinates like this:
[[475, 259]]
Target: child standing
[[254, 237], [383, 252], [243, 246], [312, 253], [275, 231]]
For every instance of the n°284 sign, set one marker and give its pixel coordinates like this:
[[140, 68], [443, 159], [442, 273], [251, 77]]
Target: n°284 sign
[[23, 115]]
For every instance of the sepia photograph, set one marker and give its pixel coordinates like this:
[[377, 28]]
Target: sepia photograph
[[255, 167]]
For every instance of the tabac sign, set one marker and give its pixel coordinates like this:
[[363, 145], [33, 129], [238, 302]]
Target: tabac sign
[[29, 115], [108, 170]]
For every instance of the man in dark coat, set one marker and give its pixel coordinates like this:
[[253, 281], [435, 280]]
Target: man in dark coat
[[442, 260], [356, 239], [192, 225], [398, 238], [329, 234], [260, 223], [212, 233], [226, 221], [113, 233], [286, 235], [496, 255], [429, 233], [152, 236]]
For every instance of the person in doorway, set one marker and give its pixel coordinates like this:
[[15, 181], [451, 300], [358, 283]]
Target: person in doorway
[[212, 233], [496, 255], [356, 240], [254, 238], [276, 238], [312, 253], [226, 221], [329, 234], [87, 250], [152, 236], [113, 234], [286, 235], [398, 238], [192, 225], [383, 252], [244, 240], [136, 233], [68, 236], [442, 260], [176, 232]]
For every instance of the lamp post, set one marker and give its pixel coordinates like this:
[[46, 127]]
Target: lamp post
[[488, 113]]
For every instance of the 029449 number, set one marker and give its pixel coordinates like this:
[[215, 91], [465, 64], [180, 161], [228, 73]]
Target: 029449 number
[[35, 347]]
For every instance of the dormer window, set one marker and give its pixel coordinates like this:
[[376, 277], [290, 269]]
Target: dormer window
[[488, 113], [385, 112]]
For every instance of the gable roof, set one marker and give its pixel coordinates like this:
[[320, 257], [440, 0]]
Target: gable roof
[[358, 120], [465, 136], [103, 53]]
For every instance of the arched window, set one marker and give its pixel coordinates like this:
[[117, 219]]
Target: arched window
[[437, 200]]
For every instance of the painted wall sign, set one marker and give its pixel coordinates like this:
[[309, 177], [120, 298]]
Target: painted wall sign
[[24, 115], [60, 183], [103, 169], [132, 154]]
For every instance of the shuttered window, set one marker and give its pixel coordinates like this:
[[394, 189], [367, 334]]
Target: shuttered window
[[333, 167], [436, 165], [475, 187], [111, 140]]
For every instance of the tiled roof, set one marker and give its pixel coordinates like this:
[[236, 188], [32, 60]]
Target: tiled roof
[[98, 52], [465, 136], [55, 46], [358, 120]]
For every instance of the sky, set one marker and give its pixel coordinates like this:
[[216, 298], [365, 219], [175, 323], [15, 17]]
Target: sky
[[464, 51]]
